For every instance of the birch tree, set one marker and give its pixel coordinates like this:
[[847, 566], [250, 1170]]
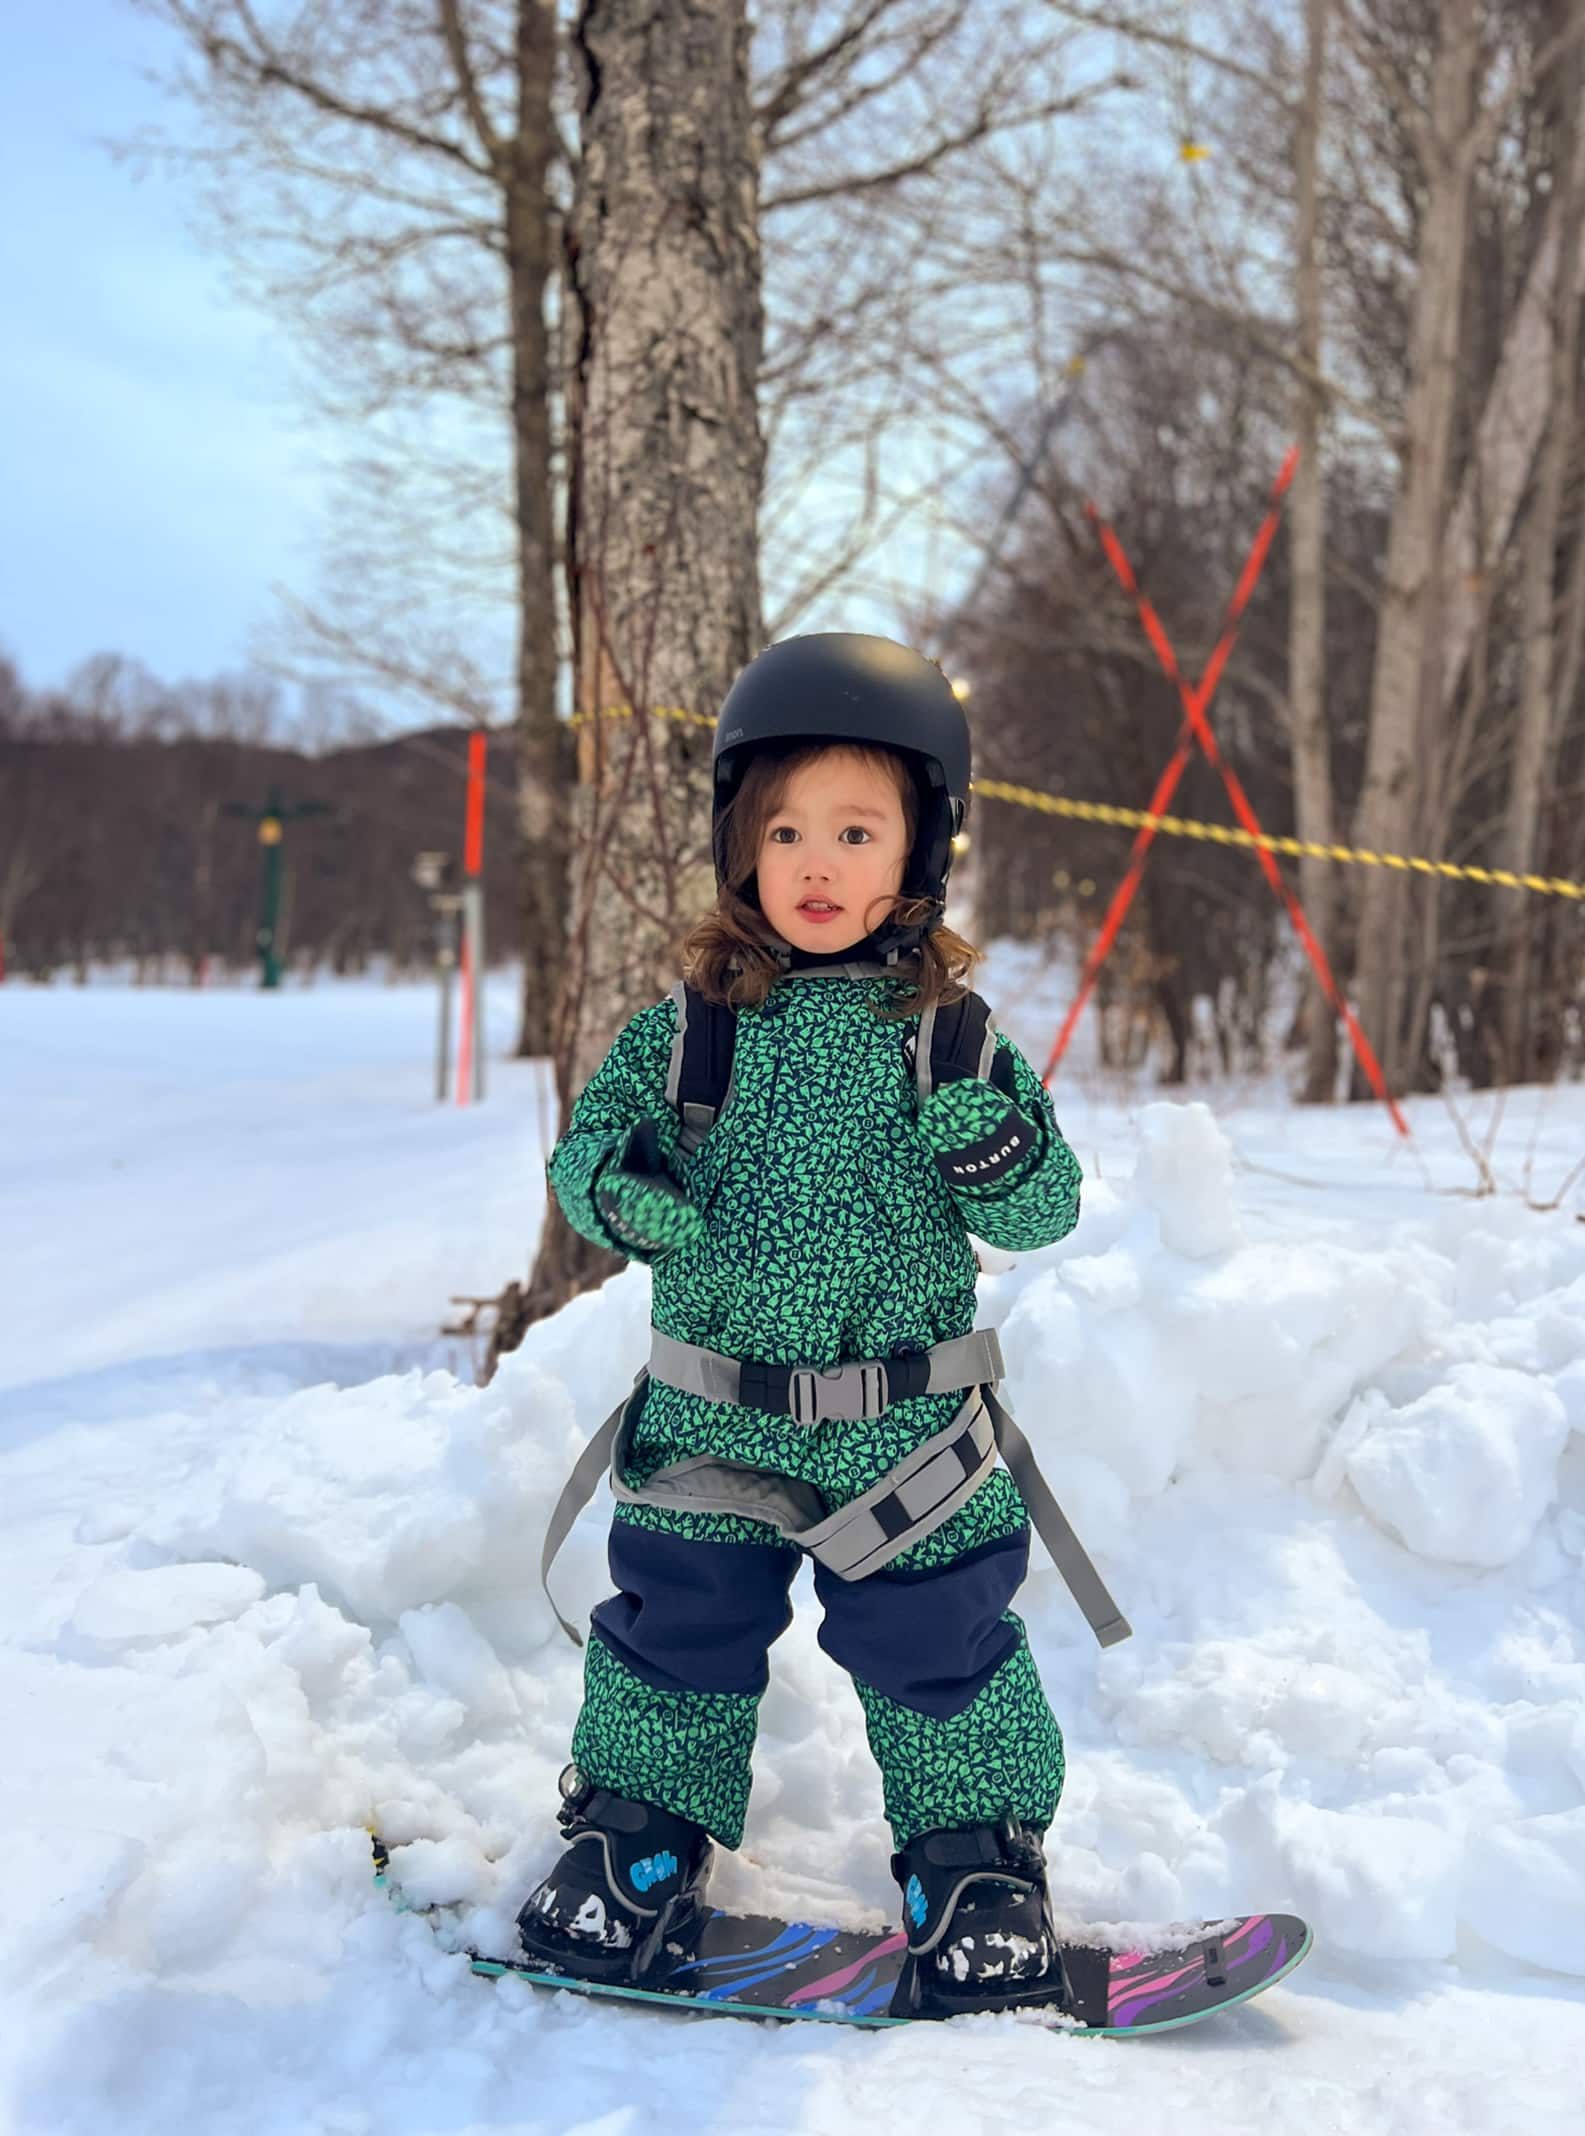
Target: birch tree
[[1400, 722], [1409, 742], [1311, 735], [397, 165], [1539, 713]]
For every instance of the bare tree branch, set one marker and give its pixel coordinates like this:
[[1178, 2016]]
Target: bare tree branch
[[457, 46], [795, 82], [1146, 33], [986, 121]]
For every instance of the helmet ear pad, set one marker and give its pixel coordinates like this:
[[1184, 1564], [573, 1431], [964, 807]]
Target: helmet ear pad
[[930, 862]]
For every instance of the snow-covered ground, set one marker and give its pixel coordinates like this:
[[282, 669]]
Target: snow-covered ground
[[269, 1574]]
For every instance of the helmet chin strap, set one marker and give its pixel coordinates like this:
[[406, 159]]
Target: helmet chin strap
[[886, 944], [893, 940]]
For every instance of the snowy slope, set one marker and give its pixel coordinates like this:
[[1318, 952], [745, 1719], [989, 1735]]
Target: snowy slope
[[270, 1573]]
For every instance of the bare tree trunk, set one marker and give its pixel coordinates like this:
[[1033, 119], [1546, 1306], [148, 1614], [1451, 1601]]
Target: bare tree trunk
[[1444, 787], [1536, 735], [1571, 624], [201, 917], [22, 871], [667, 467], [1405, 685], [1310, 744], [544, 754], [1519, 409]]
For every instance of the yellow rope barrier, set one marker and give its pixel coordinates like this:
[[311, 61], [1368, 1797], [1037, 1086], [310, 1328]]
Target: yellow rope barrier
[[1133, 819], [699, 719], [1222, 834]]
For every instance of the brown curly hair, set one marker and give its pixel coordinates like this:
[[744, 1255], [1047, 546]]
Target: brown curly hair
[[729, 953]]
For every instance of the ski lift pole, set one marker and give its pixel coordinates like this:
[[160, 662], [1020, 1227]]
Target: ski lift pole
[[446, 959], [470, 1050], [272, 820], [435, 873]]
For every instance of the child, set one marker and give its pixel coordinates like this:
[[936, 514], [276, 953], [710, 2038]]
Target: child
[[825, 1219]]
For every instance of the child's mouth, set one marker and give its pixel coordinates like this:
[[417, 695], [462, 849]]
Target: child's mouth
[[819, 913]]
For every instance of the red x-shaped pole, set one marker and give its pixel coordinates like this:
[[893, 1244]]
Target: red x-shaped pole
[[1196, 728]]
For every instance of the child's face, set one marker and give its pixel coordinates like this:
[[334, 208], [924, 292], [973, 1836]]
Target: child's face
[[838, 837]]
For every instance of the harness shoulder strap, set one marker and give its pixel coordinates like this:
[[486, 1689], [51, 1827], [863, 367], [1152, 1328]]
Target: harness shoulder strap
[[957, 1038], [954, 1038], [699, 1077]]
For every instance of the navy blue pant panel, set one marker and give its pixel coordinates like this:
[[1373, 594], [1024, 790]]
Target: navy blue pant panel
[[932, 1639], [695, 1616], [691, 1616]]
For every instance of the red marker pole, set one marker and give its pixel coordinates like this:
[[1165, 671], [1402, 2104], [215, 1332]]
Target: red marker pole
[[1194, 704], [470, 1046]]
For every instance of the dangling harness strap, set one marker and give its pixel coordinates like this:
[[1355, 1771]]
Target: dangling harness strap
[[908, 1503], [1068, 1554]]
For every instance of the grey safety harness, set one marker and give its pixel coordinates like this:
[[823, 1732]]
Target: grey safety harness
[[924, 1489]]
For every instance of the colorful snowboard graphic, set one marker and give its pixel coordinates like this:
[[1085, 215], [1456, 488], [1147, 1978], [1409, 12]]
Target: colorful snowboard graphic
[[747, 1965]]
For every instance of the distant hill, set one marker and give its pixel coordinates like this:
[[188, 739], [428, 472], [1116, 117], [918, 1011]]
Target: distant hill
[[115, 846]]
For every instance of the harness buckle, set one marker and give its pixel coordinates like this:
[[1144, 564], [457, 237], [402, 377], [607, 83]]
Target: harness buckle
[[845, 1394], [848, 1394], [803, 1396]]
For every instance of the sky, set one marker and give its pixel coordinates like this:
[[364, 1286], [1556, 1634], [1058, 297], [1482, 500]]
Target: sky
[[158, 475]]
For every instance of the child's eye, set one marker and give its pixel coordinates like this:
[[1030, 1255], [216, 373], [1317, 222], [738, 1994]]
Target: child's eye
[[775, 833]]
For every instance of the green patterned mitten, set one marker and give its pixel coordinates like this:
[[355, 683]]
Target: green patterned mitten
[[979, 1138], [640, 1202]]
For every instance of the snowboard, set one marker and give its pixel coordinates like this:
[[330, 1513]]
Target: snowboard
[[750, 1965]]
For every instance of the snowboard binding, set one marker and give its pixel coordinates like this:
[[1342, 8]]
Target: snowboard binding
[[627, 1895], [978, 1919]]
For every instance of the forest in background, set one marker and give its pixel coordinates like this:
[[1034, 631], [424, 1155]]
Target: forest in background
[[1084, 252], [116, 846]]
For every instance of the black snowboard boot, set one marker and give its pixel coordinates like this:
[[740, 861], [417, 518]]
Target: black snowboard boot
[[978, 1919], [630, 1885]]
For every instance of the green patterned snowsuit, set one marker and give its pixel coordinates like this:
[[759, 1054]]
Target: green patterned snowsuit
[[831, 1234]]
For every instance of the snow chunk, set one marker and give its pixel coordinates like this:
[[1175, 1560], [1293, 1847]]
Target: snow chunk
[[1381, 1884], [61, 1881], [1185, 1174], [456, 1658], [124, 1608], [1280, 1336], [409, 1489], [1096, 1375], [1463, 1473], [1570, 1387], [1524, 1889]]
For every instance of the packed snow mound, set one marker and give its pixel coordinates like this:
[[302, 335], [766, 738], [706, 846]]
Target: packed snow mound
[[1152, 1338], [1466, 1470], [1287, 1460], [1329, 1458]]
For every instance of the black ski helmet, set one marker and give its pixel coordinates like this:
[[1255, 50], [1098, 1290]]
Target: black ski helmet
[[843, 686]]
